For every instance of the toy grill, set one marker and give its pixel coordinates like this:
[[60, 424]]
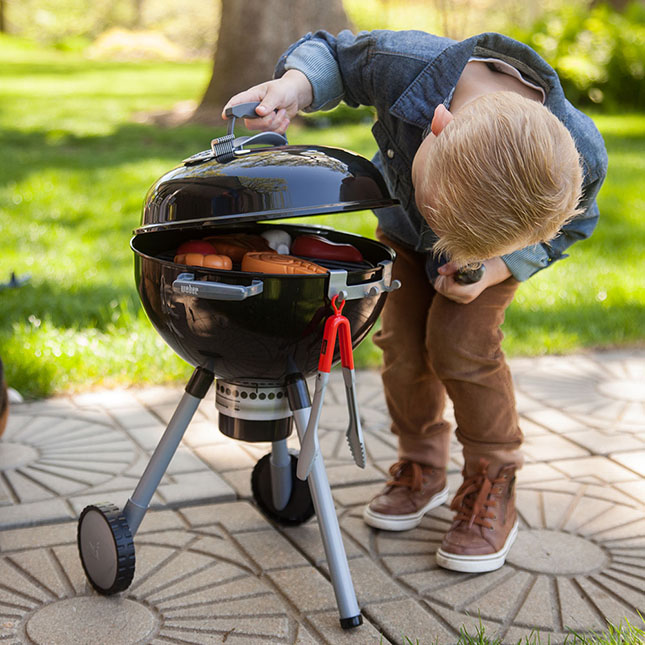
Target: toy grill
[[259, 334]]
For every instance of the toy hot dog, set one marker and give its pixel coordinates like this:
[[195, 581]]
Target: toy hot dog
[[198, 253], [210, 261], [320, 248]]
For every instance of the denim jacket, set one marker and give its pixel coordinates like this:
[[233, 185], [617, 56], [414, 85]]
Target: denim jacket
[[405, 75]]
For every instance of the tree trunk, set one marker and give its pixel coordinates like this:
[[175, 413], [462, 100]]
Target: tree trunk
[[3, 24], [137, 14], [252, 35]]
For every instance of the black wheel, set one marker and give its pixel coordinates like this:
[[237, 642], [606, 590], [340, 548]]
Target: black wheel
[[106, 548], [299, 508]]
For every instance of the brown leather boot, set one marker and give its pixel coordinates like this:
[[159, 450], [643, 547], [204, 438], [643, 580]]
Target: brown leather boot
[[413, 490], [485, 524]]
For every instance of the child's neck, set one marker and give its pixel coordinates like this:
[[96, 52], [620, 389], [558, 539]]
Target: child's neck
[[478, 79]]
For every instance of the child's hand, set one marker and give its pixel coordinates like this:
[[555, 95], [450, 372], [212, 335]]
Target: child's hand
[[280, 101], [446, 285]]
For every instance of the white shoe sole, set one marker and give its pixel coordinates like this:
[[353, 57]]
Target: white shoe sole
[[403, 522], [477, 563], [14, 396]]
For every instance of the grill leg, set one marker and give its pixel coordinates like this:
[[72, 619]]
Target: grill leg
[[137, 505], [281, 480], [341, 579]]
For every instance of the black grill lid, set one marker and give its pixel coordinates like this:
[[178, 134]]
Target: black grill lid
[[272, 183], [230, 184]]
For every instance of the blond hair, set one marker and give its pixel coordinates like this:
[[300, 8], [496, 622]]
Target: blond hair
[[502, 175]]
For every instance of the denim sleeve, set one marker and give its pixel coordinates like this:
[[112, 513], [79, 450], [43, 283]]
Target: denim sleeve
[[531, 259], [336, 66]]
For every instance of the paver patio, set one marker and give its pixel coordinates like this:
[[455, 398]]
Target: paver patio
[[211, 569]]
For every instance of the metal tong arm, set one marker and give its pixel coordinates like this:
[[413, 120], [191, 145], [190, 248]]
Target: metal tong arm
[[354, 432], [309, 445]]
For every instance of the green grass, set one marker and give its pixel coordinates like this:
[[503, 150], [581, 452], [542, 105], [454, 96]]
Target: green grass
[[623, 634], [75, 168]]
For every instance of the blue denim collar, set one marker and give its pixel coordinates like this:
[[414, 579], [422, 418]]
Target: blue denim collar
[[417, 103], [446, 103]]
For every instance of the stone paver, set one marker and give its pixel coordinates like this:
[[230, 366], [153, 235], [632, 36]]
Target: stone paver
[[55, 461], [211, 569]]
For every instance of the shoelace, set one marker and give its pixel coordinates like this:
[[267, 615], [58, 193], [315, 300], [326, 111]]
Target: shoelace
[[406, 473], [475, 498]]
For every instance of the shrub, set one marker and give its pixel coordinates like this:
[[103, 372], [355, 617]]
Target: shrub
[[599, 53], [125, 44], [341, 114]]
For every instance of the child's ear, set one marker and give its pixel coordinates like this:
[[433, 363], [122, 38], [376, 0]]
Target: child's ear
[[442, 117]]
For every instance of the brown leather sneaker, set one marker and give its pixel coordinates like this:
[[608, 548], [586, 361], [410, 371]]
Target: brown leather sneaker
[[413, 490], [485, 525]]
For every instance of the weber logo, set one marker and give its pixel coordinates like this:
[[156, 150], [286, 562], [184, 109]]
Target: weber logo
[[189, 288]]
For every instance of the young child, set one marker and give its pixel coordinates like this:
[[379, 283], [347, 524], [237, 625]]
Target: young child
[[490, 164]]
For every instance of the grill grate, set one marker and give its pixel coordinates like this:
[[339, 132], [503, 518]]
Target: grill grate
[[169, 256]]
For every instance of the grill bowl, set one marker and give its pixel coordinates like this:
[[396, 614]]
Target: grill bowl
[[265, 336]]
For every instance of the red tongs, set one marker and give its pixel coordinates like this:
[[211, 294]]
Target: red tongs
[[335, 325]]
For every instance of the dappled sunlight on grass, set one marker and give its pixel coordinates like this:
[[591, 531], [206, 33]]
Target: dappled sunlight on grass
[[52, 358]]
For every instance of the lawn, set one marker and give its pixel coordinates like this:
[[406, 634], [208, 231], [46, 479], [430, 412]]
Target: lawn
[[74, 171]]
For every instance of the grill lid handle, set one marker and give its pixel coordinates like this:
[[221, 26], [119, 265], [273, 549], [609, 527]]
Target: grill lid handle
[[186, 283], [270, 138], [241, 111]]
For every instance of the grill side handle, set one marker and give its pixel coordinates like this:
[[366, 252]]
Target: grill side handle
[[338, 284], [186, 284]]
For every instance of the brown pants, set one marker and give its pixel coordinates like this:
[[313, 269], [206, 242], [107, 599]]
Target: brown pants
[[433, 346]]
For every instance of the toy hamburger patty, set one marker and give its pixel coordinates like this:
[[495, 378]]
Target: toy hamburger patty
[[264, 262]]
